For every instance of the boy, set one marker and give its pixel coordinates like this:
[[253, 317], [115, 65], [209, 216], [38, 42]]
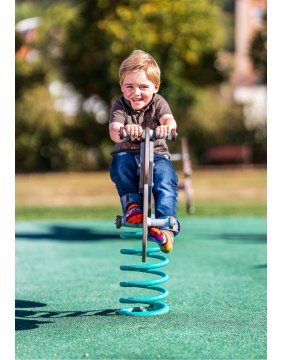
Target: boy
[[141, 106]]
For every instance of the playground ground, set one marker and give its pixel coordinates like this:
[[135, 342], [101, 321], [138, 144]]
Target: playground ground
[[67, 284]]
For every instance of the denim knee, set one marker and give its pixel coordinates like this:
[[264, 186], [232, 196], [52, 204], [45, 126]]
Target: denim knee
[[119, 163], [164, 174], [123, 172]]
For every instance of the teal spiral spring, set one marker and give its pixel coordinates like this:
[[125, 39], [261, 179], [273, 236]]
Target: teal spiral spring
[[156, 307]]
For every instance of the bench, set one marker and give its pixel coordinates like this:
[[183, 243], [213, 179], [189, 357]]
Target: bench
[[226, 154]]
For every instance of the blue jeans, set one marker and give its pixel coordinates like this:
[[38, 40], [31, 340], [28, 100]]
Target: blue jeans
[[124, 172]]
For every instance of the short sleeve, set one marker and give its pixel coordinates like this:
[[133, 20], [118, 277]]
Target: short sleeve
[[162, 107], [117, 112]]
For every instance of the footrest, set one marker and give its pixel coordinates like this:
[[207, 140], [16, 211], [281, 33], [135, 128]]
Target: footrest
[[169, 222]]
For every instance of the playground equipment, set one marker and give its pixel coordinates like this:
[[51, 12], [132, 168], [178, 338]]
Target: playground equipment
[[156, 307], [187, 171]]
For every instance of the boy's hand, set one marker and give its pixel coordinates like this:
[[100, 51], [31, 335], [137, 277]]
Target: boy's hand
[[134, 130], [163, 131]]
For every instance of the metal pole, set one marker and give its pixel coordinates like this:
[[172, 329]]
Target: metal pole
[[146, 194], [187, 170]]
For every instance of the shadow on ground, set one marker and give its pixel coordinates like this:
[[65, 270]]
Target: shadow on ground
[[68, 233], [248, 238], [264, 266], [236, 238], [29, 318]]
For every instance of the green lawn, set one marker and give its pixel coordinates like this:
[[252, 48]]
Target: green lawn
[[240, 209]]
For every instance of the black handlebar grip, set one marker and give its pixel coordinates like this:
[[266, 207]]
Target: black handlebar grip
[[121, 133]]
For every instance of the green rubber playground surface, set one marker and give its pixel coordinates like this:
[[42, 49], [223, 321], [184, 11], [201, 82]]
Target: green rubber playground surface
[[67, 292]]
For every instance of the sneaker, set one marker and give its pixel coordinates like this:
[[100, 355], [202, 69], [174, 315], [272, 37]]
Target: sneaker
[[164, 238], [134, 214]]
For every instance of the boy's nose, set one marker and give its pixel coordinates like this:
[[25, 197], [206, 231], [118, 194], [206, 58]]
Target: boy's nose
[[137, 91]]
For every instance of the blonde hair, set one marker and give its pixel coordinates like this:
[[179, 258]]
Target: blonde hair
[[140, 60]]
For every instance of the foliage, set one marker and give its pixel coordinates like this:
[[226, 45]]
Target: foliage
[[27, 75], [37, 128], [46, 140], [258, 51], [25, 10], [40, 130], [226, 5], [182, 36], [19, 41], [228, 20]]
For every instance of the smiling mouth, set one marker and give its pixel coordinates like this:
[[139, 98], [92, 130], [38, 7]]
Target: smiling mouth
[[136, 100]]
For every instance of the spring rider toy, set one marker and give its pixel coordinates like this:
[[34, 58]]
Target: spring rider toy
[[155, 306]]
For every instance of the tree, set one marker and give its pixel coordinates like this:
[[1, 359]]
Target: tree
[[27, 74], [258, 51], [183, 36]]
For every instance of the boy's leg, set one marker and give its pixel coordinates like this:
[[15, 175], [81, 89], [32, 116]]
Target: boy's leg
[[124, 173], [165, 187], [165, 194]]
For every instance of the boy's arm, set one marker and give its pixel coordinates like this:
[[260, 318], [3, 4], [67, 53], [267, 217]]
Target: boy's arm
[[133, 130], [114, 128], [167, 123]]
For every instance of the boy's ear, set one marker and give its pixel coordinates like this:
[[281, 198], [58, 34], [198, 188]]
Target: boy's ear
[[156, 88], [121, 86]]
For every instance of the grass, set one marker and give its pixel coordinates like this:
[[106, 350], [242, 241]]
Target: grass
[[55, 196], [106, 212]]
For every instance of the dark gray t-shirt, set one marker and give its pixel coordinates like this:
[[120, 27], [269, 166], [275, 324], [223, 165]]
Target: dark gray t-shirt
[[123, 113]]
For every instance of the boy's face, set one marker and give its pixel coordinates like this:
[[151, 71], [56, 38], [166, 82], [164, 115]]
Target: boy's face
[[138, 89]]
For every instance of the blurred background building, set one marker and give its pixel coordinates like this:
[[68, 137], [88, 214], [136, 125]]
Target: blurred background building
[[249, 21], [249, 82]]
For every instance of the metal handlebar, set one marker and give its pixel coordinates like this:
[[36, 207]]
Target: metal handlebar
[[152, 134]]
